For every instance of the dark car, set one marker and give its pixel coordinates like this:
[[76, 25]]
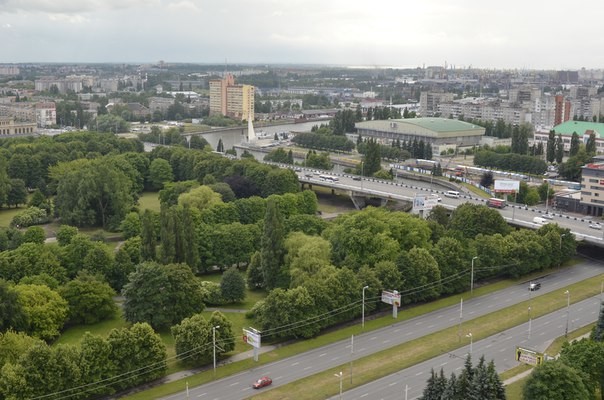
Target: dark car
[[356, 178], [262, 382]]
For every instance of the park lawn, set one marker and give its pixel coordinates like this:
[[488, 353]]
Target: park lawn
[[149, 201], [251, 296], [74, 334], [7, 215]]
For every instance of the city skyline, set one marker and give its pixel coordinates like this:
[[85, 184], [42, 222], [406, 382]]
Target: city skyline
[[519, 35]]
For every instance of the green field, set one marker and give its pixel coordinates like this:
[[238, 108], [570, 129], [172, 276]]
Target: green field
[[149, 200]]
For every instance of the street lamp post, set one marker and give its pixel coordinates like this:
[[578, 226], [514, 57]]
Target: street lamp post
[[363, 314], [471, 340], [560, 259], [472, 276], [214, 345], [567, 293], [339, 376], [530, 320]]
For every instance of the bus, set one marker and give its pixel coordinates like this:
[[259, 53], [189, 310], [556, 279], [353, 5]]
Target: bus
[[496, 203], [329, 178]]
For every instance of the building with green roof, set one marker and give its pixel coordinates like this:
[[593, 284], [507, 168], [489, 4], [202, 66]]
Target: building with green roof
[[583, 128], [441, 133]]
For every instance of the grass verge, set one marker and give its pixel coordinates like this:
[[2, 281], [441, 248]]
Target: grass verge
[[394, 359], [413, 352]]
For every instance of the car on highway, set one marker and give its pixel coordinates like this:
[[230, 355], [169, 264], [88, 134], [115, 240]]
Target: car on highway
[[547, 216], [437, 197], [595, 225], [262, 382], [534, 286], [308, 175], [298, 169], [356, 178]]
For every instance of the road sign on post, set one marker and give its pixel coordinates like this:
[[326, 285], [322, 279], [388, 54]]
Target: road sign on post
[[252, 337], [392, 297]]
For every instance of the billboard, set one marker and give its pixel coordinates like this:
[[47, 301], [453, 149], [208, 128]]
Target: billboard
[[506, 186], [251, 337], [527, 356], [421, 203], [391, 297]]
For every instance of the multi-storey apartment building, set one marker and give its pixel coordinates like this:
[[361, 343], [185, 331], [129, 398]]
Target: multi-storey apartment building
[[46, 114], [429, 102], [592, 188], [229, 99]]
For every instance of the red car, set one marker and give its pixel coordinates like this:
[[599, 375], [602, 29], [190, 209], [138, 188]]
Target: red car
[[262, 382]]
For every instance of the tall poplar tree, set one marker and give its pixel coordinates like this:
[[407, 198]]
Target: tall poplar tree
[[574, 144], [272, 250], [551, 147], [559, 149]]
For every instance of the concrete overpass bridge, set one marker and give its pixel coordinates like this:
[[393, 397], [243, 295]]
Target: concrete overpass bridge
[[364, 191]]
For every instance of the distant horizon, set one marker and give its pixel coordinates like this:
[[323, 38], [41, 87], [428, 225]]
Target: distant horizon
[[512, 35], [309, 65]]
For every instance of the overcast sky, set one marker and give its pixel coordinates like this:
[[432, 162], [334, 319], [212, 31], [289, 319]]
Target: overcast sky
[[531, 34]]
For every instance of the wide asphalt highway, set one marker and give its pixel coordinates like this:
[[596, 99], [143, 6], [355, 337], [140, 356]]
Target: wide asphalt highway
[[578, 225], [410, 382], [302, 365]]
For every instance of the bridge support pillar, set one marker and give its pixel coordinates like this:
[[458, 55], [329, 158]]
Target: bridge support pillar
[[358, 201]]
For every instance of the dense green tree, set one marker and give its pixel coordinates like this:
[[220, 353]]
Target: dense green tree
[[127, 257], [149, 234], [232, 285], [487, 179], [14, 344], [44, 311], [34, 234], [305, 257], [255, 277], [90, 299], [598, 331], [10, 309], [96, 364], [162, 295], [93, 193], [587, 357], [160, 172], [472, 219], [574, 144], [590, 146], [571, 169], [17, 193], [452, 258], [65, 233], [559, 149], [194, 338], [133, 350], [554, 380], [551, 147], [419, 269], [372, 159], [131, 225]]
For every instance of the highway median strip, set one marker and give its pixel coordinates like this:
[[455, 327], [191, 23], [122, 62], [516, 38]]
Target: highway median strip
[[407, 354]]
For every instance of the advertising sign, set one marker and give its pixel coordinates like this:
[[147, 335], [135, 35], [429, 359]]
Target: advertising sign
[[528, 356], [391, 297], [424, 203], [506, 186], [251, 337]]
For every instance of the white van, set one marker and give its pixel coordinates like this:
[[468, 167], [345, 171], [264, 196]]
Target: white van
[[540, 221], [452, 193]]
